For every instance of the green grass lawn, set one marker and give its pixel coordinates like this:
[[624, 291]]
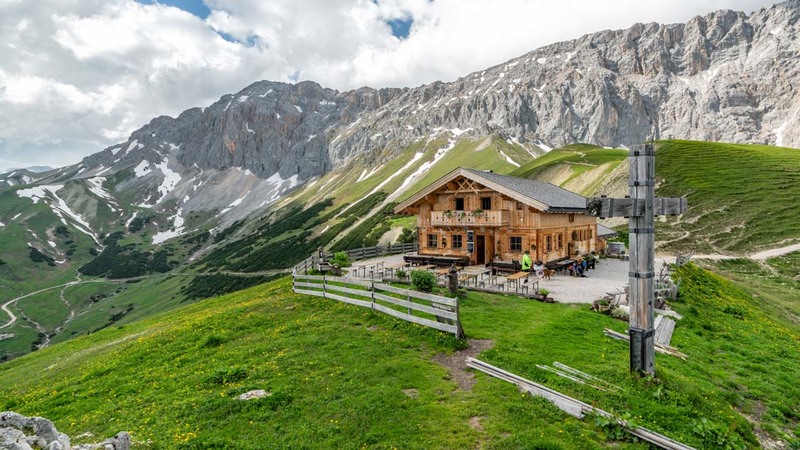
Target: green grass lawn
[[742, 198], [344, 377]]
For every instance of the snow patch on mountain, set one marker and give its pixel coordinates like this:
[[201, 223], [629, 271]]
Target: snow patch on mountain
[[423, 168], [508, 159], [408, 165], [59, 207], [176, 230], [365, 175], [96, 187], [171, 179], [142, 169]]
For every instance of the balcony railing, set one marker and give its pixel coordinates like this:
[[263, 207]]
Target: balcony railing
[[494, 218]]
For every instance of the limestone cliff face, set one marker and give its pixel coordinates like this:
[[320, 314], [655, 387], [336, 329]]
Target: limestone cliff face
[[721, 77], [725, 76]]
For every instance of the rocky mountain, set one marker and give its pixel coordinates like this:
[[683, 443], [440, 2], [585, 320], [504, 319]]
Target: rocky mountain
[[725, 76]]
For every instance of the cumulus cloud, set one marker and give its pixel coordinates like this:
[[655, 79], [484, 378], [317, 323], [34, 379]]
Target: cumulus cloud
[[79, 75]]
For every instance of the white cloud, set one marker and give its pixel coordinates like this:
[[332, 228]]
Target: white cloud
[[78, 75]]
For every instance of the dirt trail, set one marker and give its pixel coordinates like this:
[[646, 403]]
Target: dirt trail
[[759, 256]]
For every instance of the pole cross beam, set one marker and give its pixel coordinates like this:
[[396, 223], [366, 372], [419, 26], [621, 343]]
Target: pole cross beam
[[640, 207]]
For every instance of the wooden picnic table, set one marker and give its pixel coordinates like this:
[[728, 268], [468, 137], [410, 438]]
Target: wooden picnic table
[[465, 278], [562, 265], [426, 267], [515, 277], [393, 268], [372, 268]]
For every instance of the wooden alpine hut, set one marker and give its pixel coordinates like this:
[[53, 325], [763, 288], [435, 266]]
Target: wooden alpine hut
[[484, 216]]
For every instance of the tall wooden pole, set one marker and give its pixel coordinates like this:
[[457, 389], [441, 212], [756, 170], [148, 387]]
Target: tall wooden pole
[[640, 207], [642, 254]]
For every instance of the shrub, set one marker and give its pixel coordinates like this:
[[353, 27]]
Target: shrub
[[227, 375], [341, 259], [544, 292], [422, 280], [401, 274], [407, 236]]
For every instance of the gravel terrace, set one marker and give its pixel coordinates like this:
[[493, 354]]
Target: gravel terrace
[[611, 275]]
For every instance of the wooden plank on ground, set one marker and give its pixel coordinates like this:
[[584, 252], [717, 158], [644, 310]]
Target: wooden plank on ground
[[418, 320], [416, 306], [664, 331], [575, 407]]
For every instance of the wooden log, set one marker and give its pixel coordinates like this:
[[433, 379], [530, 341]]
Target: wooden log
[[574, 407]]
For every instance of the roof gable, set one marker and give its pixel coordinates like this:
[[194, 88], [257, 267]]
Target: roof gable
[[540, 195]]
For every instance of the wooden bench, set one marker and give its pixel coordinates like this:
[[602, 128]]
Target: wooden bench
[[417, 260], [504, 267], [447, 261], [494, 280]]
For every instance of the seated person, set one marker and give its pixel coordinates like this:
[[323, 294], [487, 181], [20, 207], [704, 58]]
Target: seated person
[[576, 269]]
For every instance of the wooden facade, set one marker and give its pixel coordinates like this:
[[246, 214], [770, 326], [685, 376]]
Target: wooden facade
[[464, 215]]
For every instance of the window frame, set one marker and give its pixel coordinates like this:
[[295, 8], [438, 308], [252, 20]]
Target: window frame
[[457, 241], [433, 238], [515, 246]]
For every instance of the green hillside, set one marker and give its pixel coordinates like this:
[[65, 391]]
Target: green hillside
[[344, 377], [742, 198], [582, 168]]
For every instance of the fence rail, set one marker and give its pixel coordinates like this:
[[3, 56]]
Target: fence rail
[[433, 311], [357, 254], [372, 252]]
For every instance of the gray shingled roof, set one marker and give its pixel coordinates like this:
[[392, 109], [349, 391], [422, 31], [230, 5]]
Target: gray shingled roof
[[604, 231], [556, 198]]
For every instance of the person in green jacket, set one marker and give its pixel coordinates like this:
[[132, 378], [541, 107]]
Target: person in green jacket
[[526, 261]]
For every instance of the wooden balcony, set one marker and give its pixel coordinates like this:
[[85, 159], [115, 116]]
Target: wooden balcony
[[495, 218]]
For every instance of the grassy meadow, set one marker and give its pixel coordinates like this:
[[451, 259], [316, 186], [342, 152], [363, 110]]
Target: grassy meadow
[[343, 377], [742, 197]]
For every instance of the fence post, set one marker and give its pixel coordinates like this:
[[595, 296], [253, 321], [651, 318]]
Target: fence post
[[324, 287], [459, 330], [372, 294]]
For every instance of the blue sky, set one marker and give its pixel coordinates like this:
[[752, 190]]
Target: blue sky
[[196, 7]]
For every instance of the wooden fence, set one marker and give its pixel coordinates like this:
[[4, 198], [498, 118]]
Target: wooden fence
[[428, 310], [356, 255]]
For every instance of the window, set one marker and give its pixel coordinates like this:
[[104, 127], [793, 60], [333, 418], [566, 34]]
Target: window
[[459, 204], [486, 203], [559, 241], [457, 241], [519, 206], [432, 240], [516, 244], [548, 242], [571, 218]]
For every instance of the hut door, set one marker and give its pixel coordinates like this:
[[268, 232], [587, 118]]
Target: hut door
[[480, 249]]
